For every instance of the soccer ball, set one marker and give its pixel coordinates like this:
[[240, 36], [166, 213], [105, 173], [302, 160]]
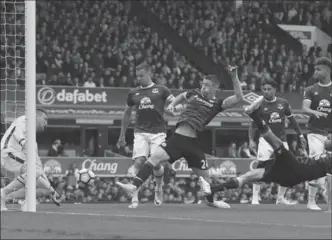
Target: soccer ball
[[85, 177]]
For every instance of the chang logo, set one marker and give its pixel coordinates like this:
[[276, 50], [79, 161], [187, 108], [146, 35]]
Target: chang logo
[[145, 103], [46, 96], [275, 118], [324, 106]]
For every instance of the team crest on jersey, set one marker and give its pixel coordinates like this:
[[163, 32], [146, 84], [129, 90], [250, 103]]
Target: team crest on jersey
[[265, 109], [280, 106], [324, 106], [155, 90], [136, 94], [145, 103], [315, 93], [163, 144], [275, 118]]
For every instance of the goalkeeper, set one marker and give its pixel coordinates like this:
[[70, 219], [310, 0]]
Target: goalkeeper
[[13, 157]]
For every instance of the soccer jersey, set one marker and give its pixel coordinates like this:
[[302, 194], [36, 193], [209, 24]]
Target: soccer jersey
[[321, 100], [149, 103], [13, 142], [274, 113], [199, 111], [14, 137]]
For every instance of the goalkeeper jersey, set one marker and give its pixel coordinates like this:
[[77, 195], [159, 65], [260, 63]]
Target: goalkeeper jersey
[[14, 139]]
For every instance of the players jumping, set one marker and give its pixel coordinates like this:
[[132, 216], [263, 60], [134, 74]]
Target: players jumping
[[274, 111], [203, 105], [149, 100], [317, 102], [285, 169], [13, 157]]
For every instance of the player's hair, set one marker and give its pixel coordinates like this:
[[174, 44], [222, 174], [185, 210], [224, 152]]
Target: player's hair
[[145, 66], [40, 110], [270, 81], [214, 79], [324, 61]]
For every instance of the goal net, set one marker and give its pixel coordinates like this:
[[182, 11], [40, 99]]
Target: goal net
[[15, 77]]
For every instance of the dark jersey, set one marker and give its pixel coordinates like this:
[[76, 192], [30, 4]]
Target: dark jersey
[[199, 111], [321, 100], [274, 114], [150, 104], [288, 171]]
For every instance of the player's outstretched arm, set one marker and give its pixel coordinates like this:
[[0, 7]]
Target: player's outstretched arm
[[238, 96], [177, 100]]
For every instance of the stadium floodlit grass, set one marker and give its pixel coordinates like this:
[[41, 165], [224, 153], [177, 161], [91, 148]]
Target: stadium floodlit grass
[[172, 221]]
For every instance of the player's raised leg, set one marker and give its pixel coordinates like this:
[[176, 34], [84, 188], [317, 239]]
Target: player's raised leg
[[157, 157]]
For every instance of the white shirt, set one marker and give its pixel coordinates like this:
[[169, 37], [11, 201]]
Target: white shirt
[[14, 139], [89, 84]]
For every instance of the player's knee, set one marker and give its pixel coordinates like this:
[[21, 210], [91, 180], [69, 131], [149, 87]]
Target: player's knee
[[139, 161], [158, 171], [158, 156]]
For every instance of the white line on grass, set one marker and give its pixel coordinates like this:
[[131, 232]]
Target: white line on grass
[[190, 219]]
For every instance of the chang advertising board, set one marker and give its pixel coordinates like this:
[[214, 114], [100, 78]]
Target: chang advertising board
[[117, 167]]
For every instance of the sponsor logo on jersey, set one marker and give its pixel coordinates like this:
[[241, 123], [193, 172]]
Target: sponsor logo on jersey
[[52, 166], [47, 96], [145, 103], [206, 103], [275, 118], [324, 106]]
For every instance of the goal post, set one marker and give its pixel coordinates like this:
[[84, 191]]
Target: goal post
[[30, 102]]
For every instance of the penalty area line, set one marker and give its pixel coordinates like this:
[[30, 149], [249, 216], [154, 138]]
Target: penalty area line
[[275, 224]]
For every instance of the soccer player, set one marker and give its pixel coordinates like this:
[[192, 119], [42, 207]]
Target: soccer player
[[202, 106], [317, 103], [274, 111], [13, 157], [285, 169], [149, 100]]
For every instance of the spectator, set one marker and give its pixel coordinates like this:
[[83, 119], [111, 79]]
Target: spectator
[[56, 149], [89, 83], [232, 151], [244, 151]]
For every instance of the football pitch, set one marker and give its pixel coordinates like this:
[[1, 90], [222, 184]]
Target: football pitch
[[171, 221]]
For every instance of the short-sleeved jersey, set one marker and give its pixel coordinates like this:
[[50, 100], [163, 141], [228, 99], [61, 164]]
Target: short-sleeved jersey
[[321, 100], [14, 136], [274, 113], [199, 111], [149, 103]]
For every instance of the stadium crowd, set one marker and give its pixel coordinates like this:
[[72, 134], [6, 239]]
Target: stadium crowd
[[91, 44], [99, 44], [222, 31]]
